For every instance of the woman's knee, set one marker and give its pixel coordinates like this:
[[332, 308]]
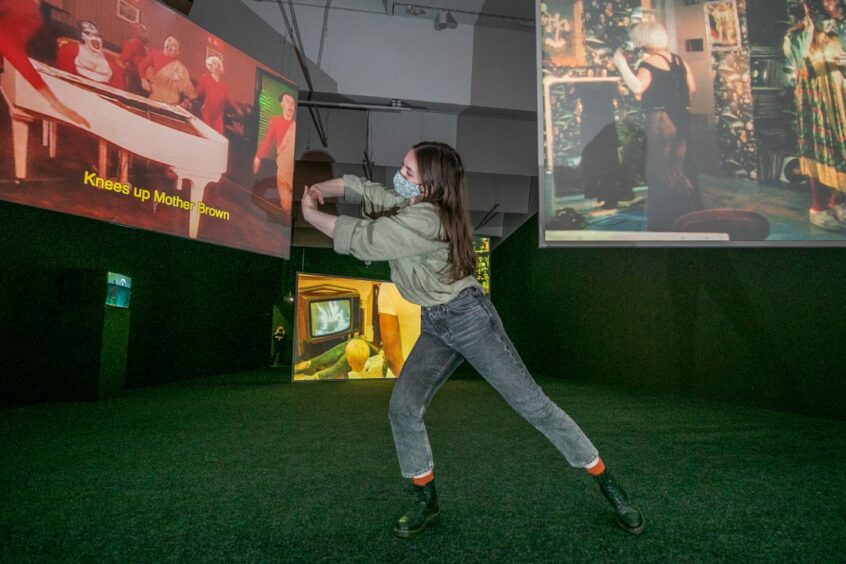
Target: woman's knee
[[403, 409], [536, 409]]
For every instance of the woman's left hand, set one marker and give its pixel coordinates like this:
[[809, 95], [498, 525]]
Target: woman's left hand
[[323, 222], [311, 198]]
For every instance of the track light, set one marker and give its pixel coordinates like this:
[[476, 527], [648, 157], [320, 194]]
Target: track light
[[444, 19]]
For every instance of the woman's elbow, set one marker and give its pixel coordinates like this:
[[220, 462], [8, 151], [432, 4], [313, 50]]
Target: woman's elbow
[[366, 255]]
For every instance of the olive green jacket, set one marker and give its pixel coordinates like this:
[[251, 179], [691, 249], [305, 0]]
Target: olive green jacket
[[409, 237]]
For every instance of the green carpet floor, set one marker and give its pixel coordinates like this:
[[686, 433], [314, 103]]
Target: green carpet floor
[[248, 468]]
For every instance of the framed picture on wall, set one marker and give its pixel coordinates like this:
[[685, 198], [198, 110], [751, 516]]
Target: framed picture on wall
[[129, 11], [562, 32], [723, 25], [212, 52]]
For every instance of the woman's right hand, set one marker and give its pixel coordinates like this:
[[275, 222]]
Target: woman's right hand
[[256, 165], [323, 222], [310, 199], [316, 193]]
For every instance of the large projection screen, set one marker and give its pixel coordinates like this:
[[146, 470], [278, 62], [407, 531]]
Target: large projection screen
[[741, 141], [124, 111]]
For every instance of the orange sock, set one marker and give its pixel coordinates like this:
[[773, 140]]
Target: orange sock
[[424, 479], [597, 468]]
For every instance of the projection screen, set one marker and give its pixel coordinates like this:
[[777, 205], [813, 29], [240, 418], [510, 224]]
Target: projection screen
[[124, 111], [689, 122]]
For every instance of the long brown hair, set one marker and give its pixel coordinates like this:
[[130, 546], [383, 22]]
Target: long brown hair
[[442, 173]]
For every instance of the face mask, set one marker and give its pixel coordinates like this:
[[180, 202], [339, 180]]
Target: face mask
[[405, 188]]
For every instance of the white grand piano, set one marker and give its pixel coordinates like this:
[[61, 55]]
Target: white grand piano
[[163, 133]]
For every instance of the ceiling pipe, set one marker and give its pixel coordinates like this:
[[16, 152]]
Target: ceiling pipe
[[355, 106], [296, 43]]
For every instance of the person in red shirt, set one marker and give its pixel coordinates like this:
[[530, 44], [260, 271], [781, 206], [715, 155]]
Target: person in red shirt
[[87, 59], [134, 51], [281, 134], [165, 77], [20, 20], [215, 95]]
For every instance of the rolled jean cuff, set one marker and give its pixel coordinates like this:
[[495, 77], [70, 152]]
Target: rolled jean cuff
[[420, 474], [593, 458], [591, 463]]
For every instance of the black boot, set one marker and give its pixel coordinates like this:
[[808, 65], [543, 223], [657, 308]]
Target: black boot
[[629, 517], [424, 512]]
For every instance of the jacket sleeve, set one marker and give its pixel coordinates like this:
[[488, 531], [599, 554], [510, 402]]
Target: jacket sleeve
[[413, 231], [373, 197]]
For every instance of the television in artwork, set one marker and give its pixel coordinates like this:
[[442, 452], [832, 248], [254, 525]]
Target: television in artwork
[[127, 112], [739, 145], [331, 313], [119, 290]]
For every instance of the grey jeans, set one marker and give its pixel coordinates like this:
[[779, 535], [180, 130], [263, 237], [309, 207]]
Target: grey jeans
[[468, 327]]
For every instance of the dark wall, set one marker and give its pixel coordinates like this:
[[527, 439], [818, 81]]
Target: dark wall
[[327, 261], [196, 308], [754, 326], [43, 355]]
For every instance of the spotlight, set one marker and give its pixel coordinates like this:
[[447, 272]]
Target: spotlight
[[444, 19]]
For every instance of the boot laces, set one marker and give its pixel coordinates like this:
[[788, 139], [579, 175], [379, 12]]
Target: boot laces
[[614, 493]]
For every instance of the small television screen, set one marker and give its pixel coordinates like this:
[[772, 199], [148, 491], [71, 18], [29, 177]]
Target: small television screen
[[119, 290], [330, 317], [326, 313]]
